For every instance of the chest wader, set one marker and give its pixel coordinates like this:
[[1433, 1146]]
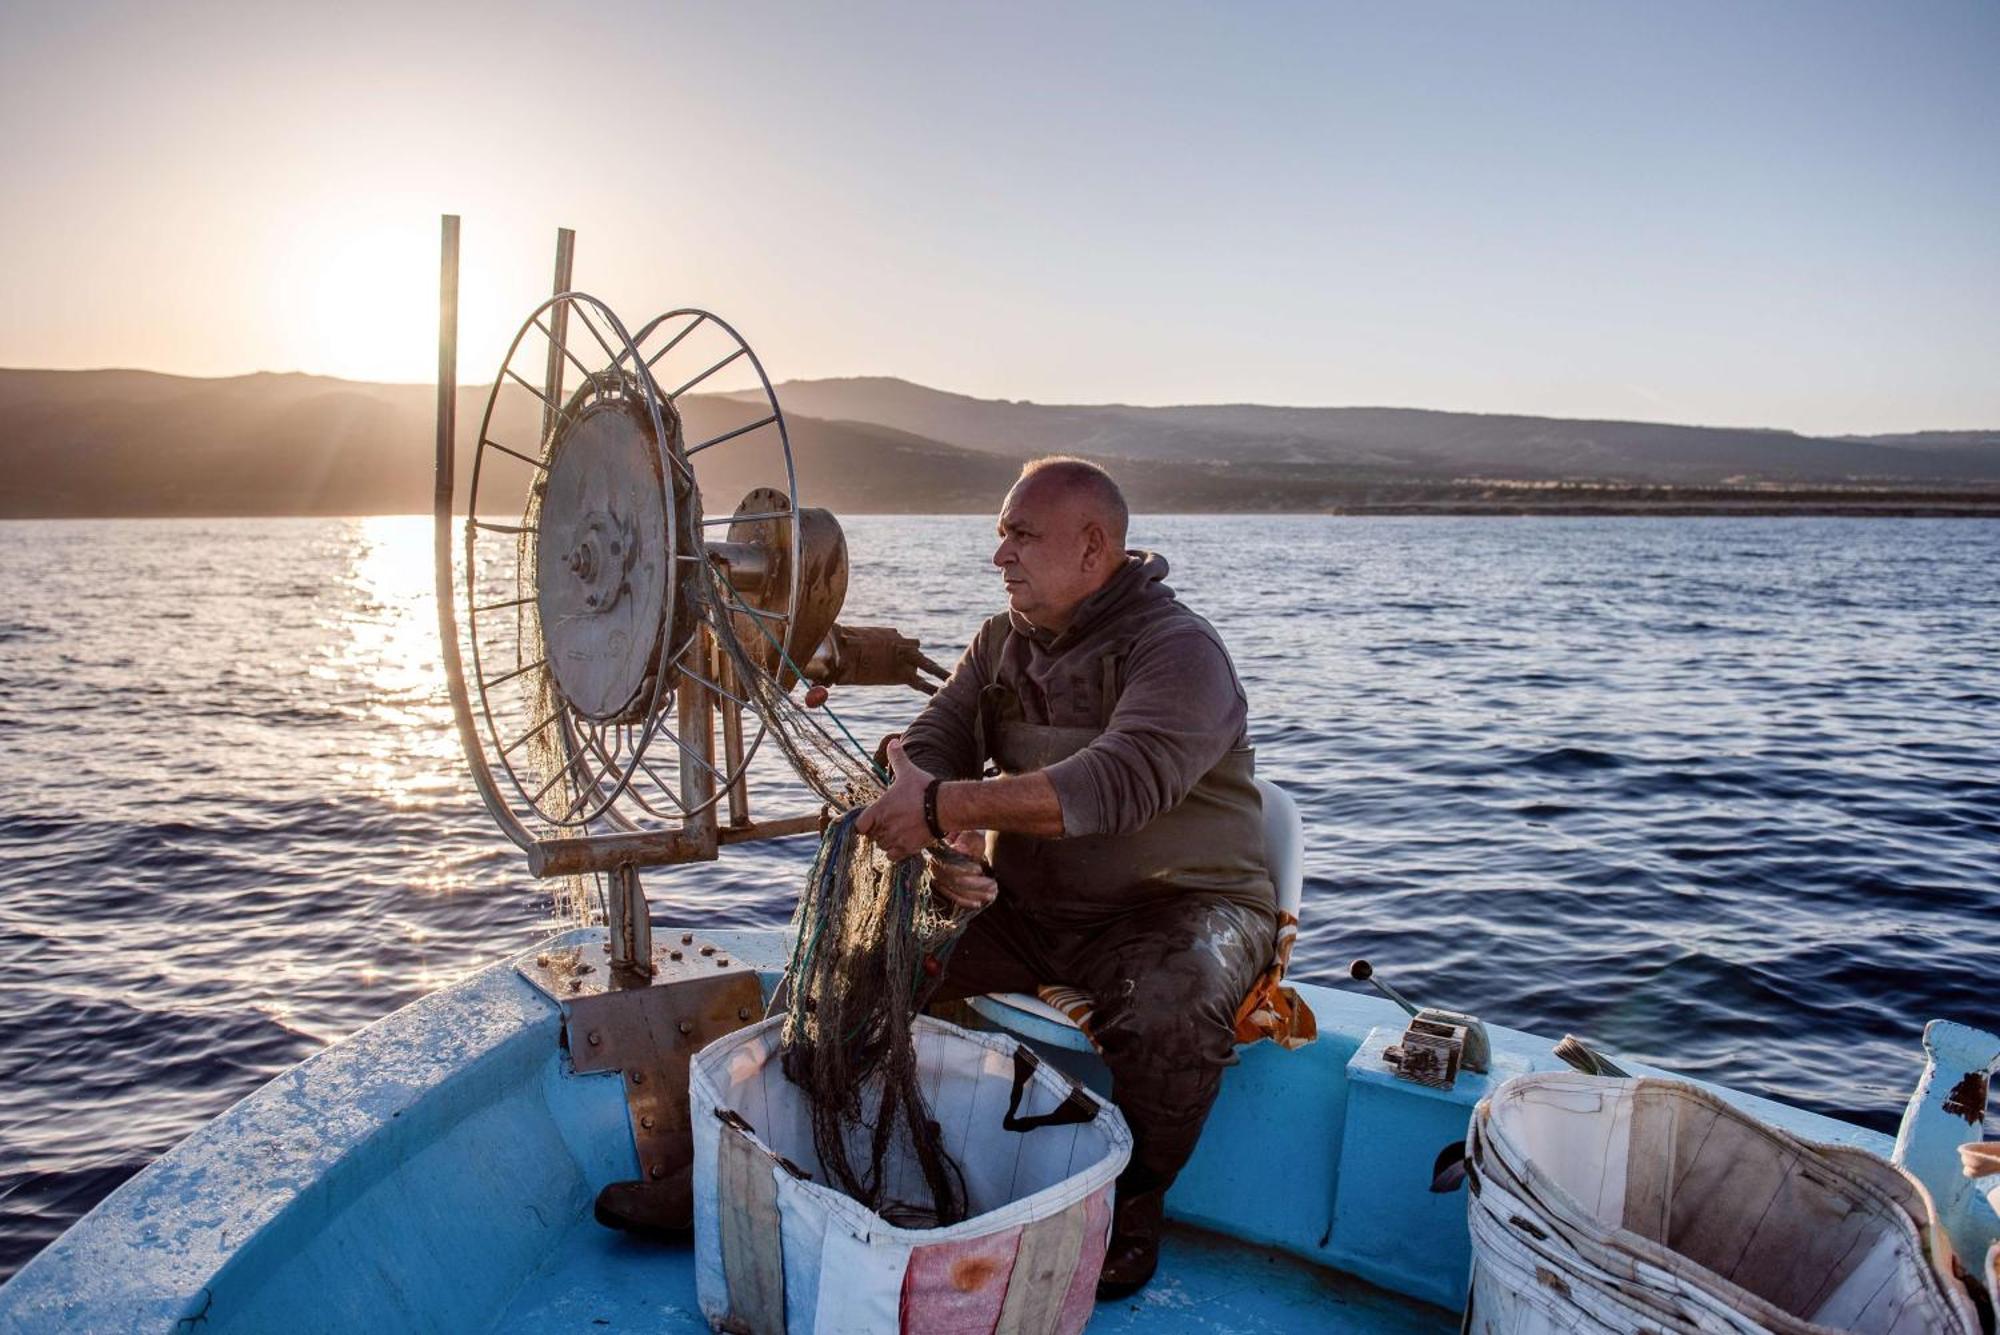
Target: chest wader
[[1212, 843]]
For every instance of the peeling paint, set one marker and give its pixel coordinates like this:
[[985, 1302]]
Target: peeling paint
[[1968, 1098]]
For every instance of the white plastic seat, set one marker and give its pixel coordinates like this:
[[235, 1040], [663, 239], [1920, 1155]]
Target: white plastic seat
[[1284, 858]]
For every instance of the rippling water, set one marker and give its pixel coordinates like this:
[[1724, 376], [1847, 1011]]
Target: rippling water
[[1721, 794]]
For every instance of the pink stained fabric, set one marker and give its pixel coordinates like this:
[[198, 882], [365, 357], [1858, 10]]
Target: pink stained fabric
[[956, 1288], [1082, 1299]]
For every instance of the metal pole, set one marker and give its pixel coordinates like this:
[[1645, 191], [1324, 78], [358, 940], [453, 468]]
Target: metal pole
[[442, 501], [697, 735], [447, 381], [732, 747], [558, 329], [631, 929]]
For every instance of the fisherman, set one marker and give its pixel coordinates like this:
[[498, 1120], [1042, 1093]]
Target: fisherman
[[1123, 829]]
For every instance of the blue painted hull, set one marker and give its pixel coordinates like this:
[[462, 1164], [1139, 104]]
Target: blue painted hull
[[436, 1172]]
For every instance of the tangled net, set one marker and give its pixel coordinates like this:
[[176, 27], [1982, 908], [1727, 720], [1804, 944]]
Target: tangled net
[[870, 943]]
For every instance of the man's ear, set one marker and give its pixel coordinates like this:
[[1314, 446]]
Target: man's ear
[[1096, 543]]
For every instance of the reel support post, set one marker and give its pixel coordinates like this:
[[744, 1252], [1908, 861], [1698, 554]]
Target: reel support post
[[442, 501], [552, 378], [631, 928], [732, 750], [697, 718]]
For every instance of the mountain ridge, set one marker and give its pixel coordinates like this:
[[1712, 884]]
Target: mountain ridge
[[124, 441]]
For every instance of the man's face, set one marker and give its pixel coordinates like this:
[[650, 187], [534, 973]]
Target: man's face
[[1046, 555]]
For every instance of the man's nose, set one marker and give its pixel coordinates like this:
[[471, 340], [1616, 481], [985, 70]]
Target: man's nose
[[1001, 555]]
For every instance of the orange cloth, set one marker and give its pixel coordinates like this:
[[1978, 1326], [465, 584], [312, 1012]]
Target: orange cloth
[[1273, 1010], [1270, 1010]]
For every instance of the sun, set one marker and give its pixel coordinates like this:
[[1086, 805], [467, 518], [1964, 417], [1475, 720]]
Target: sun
[[355, 294], [367, 301]]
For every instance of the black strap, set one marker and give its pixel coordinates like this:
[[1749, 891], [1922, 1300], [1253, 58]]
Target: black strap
[[931, 807], [1078, 1108], [1451, 1169]]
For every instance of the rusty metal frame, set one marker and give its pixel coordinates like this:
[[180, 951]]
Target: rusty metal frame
[[625, 847], [648, 1034]]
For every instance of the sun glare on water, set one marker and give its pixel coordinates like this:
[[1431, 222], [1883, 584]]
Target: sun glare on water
[[389, 640]]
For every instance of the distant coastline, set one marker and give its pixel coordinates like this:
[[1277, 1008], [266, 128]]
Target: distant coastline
[[1381, 503], [105, 444], [1527, 501]]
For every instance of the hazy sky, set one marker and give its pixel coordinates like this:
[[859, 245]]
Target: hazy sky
[[1745, 213]]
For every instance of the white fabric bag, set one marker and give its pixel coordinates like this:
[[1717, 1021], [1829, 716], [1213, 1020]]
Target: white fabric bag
[[775, 1249], [1607, 1205]]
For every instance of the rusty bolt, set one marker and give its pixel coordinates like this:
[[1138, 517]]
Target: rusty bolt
[[542, 961], [638, 1077], [722, 961], [708, 950], [686, 1027], [596, 1038], [742, 1012], [687, 938], [646, 1122], [673, 954], [658, 1171], [576, 985]]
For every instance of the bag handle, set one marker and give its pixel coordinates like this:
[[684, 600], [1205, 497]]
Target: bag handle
[[1078, 1108]]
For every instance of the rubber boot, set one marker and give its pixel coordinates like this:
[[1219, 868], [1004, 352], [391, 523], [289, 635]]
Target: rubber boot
[[1134, 1253]]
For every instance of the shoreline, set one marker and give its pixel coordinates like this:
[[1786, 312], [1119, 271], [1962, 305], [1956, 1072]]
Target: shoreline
[[1982, 507]]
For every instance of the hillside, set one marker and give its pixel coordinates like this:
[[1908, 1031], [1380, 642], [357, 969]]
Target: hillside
[[85, 443], [1406, 443], [82, 443]]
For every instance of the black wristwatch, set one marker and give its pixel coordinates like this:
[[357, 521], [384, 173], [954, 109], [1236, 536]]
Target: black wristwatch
[[930, 808]]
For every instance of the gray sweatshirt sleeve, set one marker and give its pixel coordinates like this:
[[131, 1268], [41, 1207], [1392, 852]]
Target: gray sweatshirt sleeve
[[942, 739], [1180, 711]]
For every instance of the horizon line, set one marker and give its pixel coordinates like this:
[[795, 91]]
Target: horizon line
[[1040, 403]]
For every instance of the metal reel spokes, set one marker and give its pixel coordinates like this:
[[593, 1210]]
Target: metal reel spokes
[[587, 608], [737, 445]]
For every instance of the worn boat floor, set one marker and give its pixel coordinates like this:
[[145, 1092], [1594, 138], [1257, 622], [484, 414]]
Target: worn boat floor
[[600, 1280]]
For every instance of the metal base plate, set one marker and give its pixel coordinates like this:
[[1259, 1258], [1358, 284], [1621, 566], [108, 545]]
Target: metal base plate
[[648, 1033], [569, 973]]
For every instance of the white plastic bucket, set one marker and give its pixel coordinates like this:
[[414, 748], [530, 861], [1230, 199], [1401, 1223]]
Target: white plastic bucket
[[778, 1251], [1650, 1205]]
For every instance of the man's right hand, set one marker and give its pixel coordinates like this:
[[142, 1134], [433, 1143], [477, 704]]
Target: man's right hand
[[966, 886]]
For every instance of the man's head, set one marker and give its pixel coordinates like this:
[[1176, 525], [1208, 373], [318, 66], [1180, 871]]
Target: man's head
[[1062, 538]]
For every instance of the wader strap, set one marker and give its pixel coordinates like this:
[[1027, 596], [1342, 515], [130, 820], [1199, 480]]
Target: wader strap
[[1078, 1107]]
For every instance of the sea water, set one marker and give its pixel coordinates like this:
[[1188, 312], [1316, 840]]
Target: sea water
[[1721, 794]]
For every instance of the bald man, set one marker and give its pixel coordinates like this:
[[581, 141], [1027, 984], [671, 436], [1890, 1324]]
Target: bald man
[[1124, 831]]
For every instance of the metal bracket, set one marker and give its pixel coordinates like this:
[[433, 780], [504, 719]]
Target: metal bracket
[[1429, 1053], [647, 1034]]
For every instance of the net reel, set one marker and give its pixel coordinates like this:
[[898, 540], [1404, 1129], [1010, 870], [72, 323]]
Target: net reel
[[624, 650]]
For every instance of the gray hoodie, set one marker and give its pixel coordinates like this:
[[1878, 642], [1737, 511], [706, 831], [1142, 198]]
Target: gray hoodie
[[1168, 700]]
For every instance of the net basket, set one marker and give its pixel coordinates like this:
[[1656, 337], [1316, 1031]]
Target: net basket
[[778, 1250], [1604, 1205]]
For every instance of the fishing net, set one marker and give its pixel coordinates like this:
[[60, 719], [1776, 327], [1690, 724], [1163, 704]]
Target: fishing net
[[870, 943], [575, 900]]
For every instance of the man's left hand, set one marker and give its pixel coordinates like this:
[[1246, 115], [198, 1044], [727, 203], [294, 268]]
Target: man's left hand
[[895, 821]]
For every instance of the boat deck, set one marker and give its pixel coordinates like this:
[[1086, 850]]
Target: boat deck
[[600, 1280]]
